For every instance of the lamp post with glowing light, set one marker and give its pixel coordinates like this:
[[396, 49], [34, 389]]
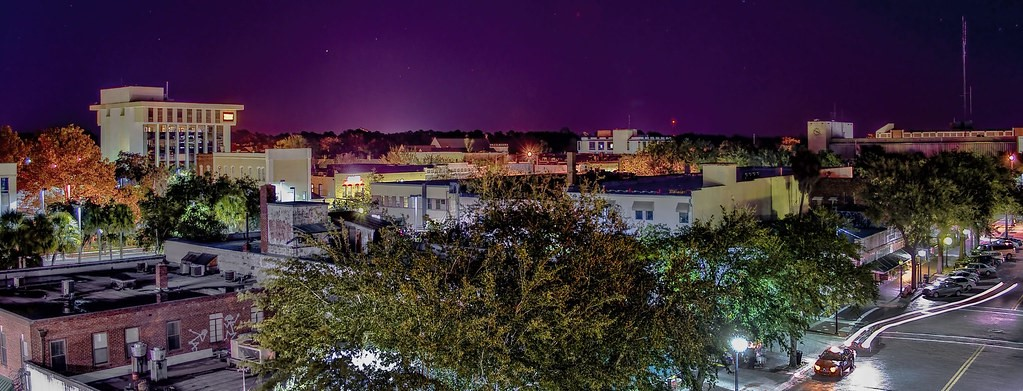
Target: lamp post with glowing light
[[966, 243], [923, 253], [1012, 162], [944, 262], [739, 344]]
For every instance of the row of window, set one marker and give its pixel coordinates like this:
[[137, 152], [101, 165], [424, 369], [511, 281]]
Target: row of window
[[101, 345], [599, 145], [683, 217], [207, 116], [405, 202]]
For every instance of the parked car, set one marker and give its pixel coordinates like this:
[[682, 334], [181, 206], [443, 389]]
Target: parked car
[[835, 361], [966, 273], [1004, 250], [982, 268], [966, 283], [943, 288], [1016, 243]]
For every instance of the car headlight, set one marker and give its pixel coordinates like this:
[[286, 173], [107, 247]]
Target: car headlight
[[816, 367], [832, 369]]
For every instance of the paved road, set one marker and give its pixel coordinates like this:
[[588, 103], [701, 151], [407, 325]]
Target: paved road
[[975, 348]]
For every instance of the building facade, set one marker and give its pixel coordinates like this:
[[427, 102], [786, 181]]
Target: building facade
[[81, 322], [290, 169], [617, 142], [8, 187], [838, 137], [143, 120]]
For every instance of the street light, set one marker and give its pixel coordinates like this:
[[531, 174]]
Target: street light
[[739, 344], [923, 253], [1012, 161], [944, 262], [99, 236]]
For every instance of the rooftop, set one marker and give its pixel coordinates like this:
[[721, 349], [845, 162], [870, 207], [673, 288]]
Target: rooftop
[[206, 374], [42, 297]]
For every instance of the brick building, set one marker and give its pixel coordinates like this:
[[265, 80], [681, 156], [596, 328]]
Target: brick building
[[81, 323]]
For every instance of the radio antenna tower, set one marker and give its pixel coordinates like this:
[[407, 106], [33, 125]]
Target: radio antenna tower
[[966, 111]]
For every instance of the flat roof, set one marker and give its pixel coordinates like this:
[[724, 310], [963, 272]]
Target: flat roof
[[41, 297], [206, 374]]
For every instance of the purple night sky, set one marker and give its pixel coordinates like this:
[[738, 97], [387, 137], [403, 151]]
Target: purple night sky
[[724, 67]]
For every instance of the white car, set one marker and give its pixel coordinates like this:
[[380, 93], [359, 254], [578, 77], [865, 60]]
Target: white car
[[966, 273], [982, 269], [966, 283]]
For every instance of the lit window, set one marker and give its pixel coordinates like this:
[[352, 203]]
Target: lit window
[[228, 116]]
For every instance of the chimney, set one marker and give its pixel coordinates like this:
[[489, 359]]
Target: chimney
[[570, 161], [265, 193], [161, 275]]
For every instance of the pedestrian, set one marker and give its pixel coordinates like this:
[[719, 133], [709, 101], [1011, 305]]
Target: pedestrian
[[726, 361]]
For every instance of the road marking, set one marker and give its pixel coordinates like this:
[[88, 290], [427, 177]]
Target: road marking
[[959, 374], [1015, 307], [969, 342]]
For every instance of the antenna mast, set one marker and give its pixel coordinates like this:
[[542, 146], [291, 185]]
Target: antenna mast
[[965, 92]]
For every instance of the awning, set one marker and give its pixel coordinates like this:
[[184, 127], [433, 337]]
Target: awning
[[890, 261], [642, 205], [682, 207]]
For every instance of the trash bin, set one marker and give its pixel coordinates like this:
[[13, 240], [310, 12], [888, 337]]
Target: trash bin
[[799, 356]]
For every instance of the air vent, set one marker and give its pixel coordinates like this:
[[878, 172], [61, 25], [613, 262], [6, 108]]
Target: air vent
[[197, 271]]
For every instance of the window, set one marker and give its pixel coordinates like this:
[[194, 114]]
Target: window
[[100, 349], [649, 215], [600, 146], [3, 347], [216, 327], [208, 115], [58, 362], [228, 116], [159, 114], [255, 315], [216, 116], [683, 217], [174, 335], [131, 335], [150, 114], [639, 215], [610, 146], [429, 203], [178, 111], [4, 186], [188, 115]]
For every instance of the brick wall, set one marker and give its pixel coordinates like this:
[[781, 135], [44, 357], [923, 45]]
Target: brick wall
[[14, 327], [193, 314]]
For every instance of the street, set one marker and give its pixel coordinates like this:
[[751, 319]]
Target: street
[[975, 348]]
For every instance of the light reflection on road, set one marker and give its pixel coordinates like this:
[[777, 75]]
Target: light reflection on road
[[868, 375]]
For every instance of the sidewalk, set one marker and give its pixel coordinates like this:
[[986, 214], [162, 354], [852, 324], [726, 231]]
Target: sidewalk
[[776, 375]]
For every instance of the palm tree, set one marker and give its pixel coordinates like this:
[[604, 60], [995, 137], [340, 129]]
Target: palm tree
[[120, 221], [66, 233], [11, 225], [806, 168], [38, 239]]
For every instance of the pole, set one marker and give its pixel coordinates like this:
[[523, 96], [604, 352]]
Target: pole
[[736, 360], [836, 322], [902, 272], [81, 237]]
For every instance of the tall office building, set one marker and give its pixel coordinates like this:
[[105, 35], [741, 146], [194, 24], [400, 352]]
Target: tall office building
[[142, 120]]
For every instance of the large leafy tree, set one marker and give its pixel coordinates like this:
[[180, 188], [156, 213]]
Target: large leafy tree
[[898, 191], [64, 159], [717, 279], [12, 148], [538, 289], [197, 207], [819, 273], [66, 234]]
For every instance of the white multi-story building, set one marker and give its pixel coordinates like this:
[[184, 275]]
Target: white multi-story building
[[142, 120], [617, 142], [8, 187]]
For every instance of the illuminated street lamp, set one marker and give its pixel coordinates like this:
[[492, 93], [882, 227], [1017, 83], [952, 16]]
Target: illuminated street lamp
[[99, 236], [923, 253], [1012, 161], [944, 262], [739, 344]]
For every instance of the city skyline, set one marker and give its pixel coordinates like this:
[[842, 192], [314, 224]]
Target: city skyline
[[736, 67]]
